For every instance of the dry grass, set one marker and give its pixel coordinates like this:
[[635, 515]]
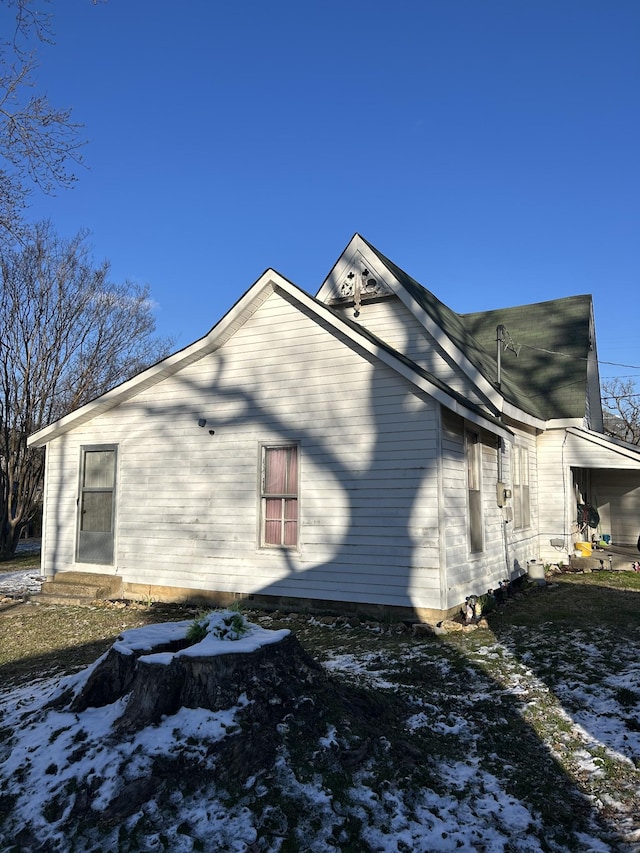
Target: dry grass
[[560, 644]]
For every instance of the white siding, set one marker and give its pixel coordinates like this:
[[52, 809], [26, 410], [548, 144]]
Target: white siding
[[583, 451], [187, 501], [455, 522], [391, 321], [474, 573], [576, 467], [523, 544], [557, 504]]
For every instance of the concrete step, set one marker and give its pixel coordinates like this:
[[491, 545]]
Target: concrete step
[[80, 588], [66, 600]]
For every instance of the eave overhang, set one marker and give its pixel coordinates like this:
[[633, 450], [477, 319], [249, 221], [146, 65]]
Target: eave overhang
[[582, 445], [358, 337]]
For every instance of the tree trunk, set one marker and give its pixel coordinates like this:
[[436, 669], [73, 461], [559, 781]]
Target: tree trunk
[[9, 538], [157, 685]]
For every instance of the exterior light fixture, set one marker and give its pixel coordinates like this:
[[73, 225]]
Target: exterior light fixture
[[202, 422]]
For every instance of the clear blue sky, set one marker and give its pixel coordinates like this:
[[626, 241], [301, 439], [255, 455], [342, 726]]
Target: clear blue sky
[[489, 147]]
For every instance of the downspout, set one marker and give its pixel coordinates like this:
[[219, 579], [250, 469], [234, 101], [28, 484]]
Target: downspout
[[505, 538], [442, 545], [499, 342]]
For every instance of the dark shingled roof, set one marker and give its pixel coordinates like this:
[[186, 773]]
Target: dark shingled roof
[[430, 377], [548, 378], [554, 342]]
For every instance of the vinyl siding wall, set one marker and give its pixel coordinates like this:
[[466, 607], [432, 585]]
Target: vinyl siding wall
[[557, 518], [187, 511], [523, 543], [609, 479], [391, 321], [617, 496], [506, 551]]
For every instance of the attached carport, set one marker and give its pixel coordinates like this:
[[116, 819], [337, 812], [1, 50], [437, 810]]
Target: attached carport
[[606, 475]]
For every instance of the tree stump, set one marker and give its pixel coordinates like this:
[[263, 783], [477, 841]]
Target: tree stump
[[166, 677]]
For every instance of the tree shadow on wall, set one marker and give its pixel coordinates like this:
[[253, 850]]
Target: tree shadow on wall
[[361, 455]]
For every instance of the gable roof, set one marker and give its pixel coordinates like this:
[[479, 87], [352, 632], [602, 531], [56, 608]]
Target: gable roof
[[548, 378], [481, 353], [270, 281]]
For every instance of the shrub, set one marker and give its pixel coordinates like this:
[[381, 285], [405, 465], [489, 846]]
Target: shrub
[[222, 624]]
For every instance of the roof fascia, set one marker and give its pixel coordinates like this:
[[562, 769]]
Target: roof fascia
[[516, 414], [623, 448], [223, 330], [565, 423], [248, 303], [332, 319], [358, 245]]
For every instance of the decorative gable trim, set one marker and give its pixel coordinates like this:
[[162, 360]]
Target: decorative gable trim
[[356, 278], [360, 255], [360, 283]]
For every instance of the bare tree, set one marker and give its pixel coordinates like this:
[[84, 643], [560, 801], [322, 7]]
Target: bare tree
[[38, 141], [621, 401], [68, 334]]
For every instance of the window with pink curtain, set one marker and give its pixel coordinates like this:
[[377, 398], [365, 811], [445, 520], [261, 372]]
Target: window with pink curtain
[[280, 496]]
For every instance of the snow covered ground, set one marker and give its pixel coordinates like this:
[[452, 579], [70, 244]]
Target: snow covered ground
[[25, 581], [20, 583], [58, 767]]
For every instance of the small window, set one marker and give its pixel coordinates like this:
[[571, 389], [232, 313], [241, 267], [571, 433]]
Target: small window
[[520, 479], [474, 494], [279, 496]]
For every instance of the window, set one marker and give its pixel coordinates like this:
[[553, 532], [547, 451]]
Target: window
[[520, 480], [279, 496], [473, 454], [96, 505]]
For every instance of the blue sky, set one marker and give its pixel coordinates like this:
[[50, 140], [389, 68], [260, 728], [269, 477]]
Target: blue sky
[[489, 148]]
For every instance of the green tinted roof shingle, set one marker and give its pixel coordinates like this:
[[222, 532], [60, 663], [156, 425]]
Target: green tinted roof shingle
[[554, 340], [548, 378]]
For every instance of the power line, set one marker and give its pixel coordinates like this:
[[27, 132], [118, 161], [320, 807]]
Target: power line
[[580, 358], [617, 364]]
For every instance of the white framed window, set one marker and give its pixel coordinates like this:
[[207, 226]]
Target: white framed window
[[279, 494], [520, 481], [473, 452]]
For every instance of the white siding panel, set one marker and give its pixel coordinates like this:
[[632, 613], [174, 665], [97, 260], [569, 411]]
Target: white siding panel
[[583, 453], [474, 573], [523, 544], [187, 501], [555, 483], [391, 321]]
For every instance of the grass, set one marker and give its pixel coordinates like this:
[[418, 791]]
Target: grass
[[21, 562], [506, 696], [39, 640]]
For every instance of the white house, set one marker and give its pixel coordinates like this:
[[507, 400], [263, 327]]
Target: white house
[[368, 448]]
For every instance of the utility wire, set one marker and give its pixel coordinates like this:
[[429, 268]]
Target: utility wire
[[579, 358]]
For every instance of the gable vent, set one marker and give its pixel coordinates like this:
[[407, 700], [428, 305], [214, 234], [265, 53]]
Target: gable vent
[[361, 283]]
